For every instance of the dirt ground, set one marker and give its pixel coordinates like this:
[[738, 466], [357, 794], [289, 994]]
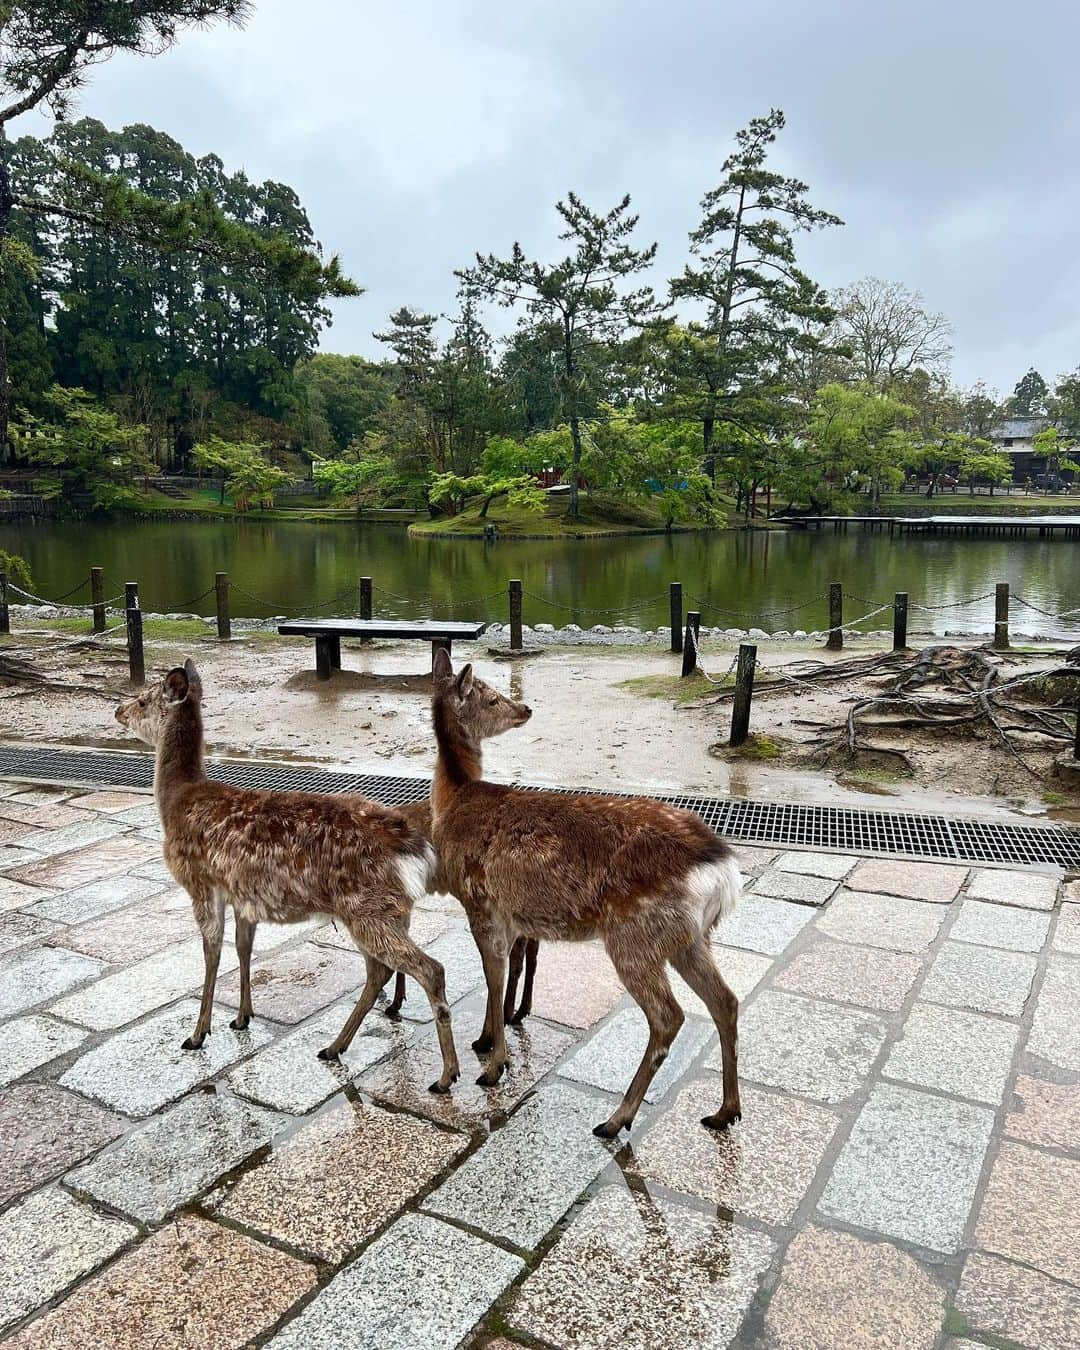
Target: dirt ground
[[611, 718]]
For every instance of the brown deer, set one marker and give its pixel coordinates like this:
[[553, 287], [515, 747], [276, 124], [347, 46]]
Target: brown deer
[[283, 857], [650, 880], [522, 954]]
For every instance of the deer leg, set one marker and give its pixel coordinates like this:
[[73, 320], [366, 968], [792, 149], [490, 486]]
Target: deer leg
[[377, 975], [431, 977], [483, 937], [697, 965], [393, 1008], [210, 916], [517, 957], [245, 940], [493, 955], [650, 989], [532, 946]]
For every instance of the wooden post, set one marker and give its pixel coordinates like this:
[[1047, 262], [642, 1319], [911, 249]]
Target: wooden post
[[97, 598], [516, 643], [744, 693], [899, 621], [136, 664], [1076, 741], [1001, 617], [221, 593], [5, 616], [365, 601], [675, 595], [690, 640], [836, 617]]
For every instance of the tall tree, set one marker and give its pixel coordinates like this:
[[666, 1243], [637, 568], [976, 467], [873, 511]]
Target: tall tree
[[1029, 397], [584, 297], [889, 332]]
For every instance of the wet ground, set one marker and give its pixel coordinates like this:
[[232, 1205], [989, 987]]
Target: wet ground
[[906, 1173]]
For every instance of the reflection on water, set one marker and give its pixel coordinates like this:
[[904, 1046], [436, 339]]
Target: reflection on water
[[300, 566]]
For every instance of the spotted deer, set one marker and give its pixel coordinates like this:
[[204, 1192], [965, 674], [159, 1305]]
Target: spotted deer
[[283, 857], [651, 881]]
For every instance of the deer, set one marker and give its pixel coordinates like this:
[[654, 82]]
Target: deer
[[523, 954], [650, 880], [283, 857]]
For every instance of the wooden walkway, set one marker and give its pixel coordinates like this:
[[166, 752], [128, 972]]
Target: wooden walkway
[[984, 527]]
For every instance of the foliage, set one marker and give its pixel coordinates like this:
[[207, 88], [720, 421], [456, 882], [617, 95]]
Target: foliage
[[17, 569], [658, 463], [246, 472], [981, 463], [363, 475], [504, 471], [1055, 445], [340, 399], [889, 332], [1029, 397]]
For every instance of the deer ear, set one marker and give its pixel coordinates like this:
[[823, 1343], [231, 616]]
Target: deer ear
[[194, 679], [465, 681], [177, 685], [442, 672]]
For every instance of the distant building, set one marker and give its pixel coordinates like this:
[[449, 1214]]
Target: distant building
[[1016, 437]]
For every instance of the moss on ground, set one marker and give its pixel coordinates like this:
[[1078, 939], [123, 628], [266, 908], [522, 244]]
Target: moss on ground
[[672, 687]]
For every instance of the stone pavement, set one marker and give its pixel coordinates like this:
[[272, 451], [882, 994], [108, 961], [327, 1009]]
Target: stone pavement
[[906, 1173]]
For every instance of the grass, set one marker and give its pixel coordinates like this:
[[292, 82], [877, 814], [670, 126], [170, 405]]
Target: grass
[[166, 630], [671, 687], [599, 516], [758, 747]]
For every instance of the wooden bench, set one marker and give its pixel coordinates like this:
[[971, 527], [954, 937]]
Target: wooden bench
[[329, 632]]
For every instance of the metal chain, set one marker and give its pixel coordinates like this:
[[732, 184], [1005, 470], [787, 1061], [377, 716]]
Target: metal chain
[[752, 614], [591, 609], [40, 600], [699, 667]]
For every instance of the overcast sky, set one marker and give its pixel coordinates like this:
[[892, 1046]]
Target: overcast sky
[[944, 132]]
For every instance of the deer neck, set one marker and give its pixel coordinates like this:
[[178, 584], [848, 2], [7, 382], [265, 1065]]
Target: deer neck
[[460, 760], [179, 758]]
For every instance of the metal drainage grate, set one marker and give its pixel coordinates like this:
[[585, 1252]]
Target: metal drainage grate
[[828, 827]]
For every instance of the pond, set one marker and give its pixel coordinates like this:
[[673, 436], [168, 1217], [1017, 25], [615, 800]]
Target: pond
[[737, 579]]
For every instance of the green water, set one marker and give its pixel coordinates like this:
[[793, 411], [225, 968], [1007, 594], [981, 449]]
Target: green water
[[314, 568]]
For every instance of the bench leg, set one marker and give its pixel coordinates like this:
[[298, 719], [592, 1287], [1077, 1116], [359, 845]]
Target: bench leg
[[335, 653], [323, 657], [439, 643]]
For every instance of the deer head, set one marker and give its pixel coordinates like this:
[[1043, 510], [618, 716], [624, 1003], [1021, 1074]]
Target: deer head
[[478, 709], [145, 714]]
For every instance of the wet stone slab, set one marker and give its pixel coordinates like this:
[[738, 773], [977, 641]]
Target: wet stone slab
[[98, 898], [813, 1049], [833, 865], [1045, 1113], [289, 1074], [20, 855], [421, 1286], [17, 895], [1018, 1304], [981, 978], [610, 1057], [910, 1167], [131, 934], [934, 883], [1030, 890], [753, 860], [40, 974], [461, 960], [84, 865], [802, 888], [47, 1242], [176, 1156], [193, 1286], [43, 1132], [20, 930], [760, 1167], [50, 843], [864, 976], [884, 921], [576, 983], [762, 924], [141, 1069], [45, 817], [1067, 933], [1044, 1229], [28, 1042], [959, 1052], [529, 1172], [839, 1290], [989, 925], [114, 801], [289, 986], [12, 831], [337, 1180], [636, 1273]]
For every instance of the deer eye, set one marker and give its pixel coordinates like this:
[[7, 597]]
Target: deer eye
[[493, 700]]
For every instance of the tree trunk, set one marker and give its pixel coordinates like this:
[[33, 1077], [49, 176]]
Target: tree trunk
[[569, 365], [708, 459], [574, 512], [6, 207]]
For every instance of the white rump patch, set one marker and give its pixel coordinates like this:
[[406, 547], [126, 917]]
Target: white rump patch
[[713, 890], [416, 872]]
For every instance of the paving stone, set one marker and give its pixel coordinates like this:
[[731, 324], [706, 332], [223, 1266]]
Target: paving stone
[[113, 802], [527, 1175], [885, 921], [1018, 930], [1030, 890], [17, 895], [99, 897], [762, 924], [799, 887], [421, 1286], [753, 860], [43, 796], [153, 871], [83, 865], [337, 1180], [1043, 1230], [839, 1290], [289, 1074], [51, 816], [636, 1273], [90, 830], [43, 1132], [982, 978], [910, 1167], [865, 976], [19, 930], [937, 883], [461, 960], [192, 1286], [742, 972], [1067, 933], [960, 1052], [1045, 1113], [28, 1042], [141, 1069], [575, 984], [814, 1049], [14, 856], [142, 816], [834, 865], [1018, 1304], [42, 973], [126, 994], [1055, 1032], [132, 934], [402, 1078], [47, 1242], [610, 1057], [175, 1156], [761, 1167], [12, 831], [289, 986]]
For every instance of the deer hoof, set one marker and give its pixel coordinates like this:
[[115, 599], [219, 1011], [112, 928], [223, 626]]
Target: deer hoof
[[393, 1013], [329, 1053], [438, 1088], [490, 1077], [606, 1130], [519, 1016], [721, 1120], [241, 1023], [483, 1045], [194, 1043]]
